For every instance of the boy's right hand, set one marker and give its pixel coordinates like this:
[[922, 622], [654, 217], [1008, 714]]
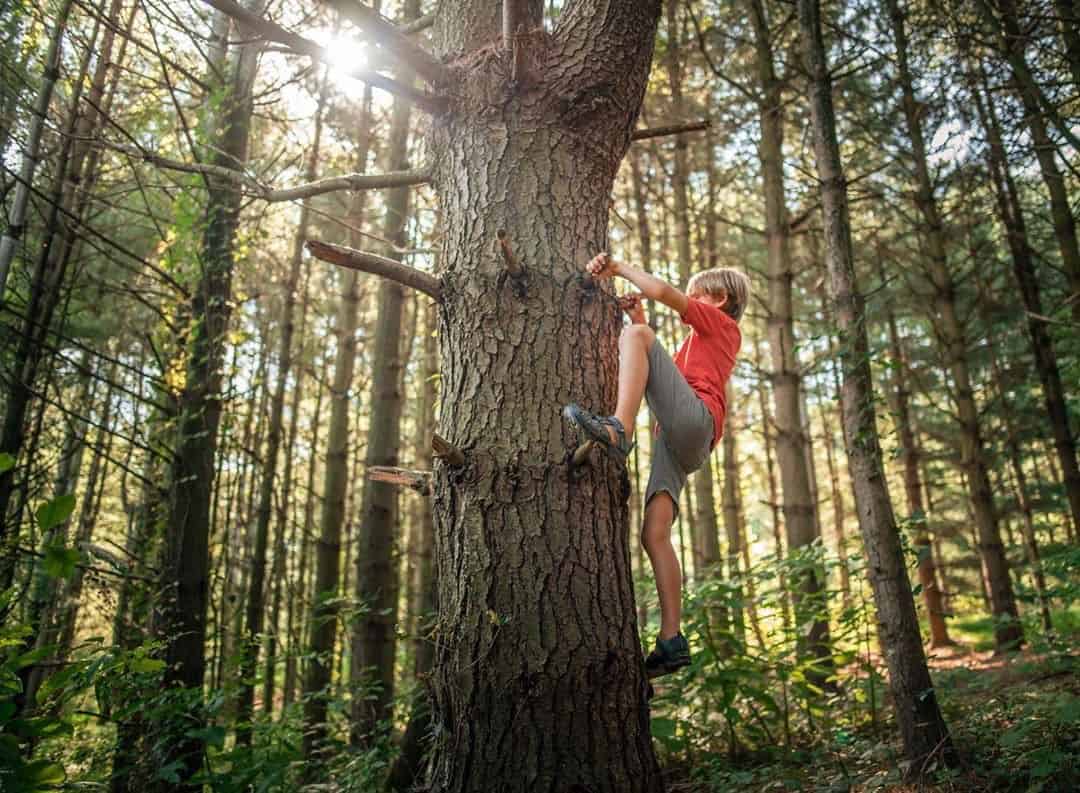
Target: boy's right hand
[[602, 266], [632, 305]]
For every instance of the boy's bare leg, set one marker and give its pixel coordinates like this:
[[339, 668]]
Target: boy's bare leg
[[656, 536], [634, 344]]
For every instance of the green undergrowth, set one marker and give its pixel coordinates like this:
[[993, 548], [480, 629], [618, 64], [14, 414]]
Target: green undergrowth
[[1015, 722]]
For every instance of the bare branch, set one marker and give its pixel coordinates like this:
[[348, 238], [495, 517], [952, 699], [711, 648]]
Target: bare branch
[[376, 265], [674, 129], [273, 32], [420, 481], [349, 181], [393, 41]]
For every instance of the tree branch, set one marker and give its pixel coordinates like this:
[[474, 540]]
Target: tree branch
[[420, 481], [348, 181], [376, 265], [273, 32], [393, 41], [673, 129], [418, 25]]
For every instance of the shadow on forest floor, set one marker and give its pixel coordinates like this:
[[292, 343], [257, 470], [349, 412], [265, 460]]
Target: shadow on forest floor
[[1015, 720]]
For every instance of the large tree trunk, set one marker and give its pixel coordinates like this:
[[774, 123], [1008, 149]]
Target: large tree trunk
[[538, 678], [791, 443], [182, 617], [921, 725], [1008, 632]]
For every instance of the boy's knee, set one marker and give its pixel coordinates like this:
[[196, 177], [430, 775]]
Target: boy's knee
[[638, 334]]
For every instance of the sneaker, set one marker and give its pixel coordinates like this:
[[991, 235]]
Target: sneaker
[[594, 428], [670, 655]]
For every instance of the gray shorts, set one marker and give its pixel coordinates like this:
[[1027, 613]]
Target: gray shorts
[[686, 427]]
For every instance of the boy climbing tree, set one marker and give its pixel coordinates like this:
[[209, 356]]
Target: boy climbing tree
[[687, 395]]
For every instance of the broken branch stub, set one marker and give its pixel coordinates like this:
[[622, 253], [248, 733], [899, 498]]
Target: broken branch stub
[[445, 450], [673, 129], [376, 265], [420, 481], [512, 264]]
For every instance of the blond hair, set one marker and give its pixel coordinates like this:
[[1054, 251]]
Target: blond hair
[[723, 281]]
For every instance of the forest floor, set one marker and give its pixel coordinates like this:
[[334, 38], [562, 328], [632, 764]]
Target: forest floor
[[1015, 722]]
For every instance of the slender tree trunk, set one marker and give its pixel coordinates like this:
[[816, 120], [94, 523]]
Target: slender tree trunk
[[1011, 214], [299, 600], [255, 604], [767, 425], [836, 495], [730, 500], [921, 725], [325, 607], [374, 638], [1069, 22], [20, 203], [791, 443], [182, 618], [285, 532], [1012, 449], [913, 489], [1008, 632], [1046, 153]]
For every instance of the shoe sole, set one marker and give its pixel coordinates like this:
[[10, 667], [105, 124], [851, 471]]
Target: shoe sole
[[666, 669]]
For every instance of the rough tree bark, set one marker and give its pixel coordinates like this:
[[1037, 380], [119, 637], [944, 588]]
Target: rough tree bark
[[538, 678], [921, 725], [1008, 631]]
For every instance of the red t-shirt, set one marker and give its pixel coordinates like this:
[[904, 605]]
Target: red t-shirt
[[707, 356]]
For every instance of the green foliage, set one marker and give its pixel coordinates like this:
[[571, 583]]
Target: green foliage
[[55, 512]]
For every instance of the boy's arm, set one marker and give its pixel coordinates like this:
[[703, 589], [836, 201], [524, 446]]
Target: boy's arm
[[652, 287]]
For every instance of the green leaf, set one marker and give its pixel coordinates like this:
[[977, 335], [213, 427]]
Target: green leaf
[[53, 513], [7, 462], [146, 666], [43, 775], [663, 728], [59, 562], [212, 736]]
